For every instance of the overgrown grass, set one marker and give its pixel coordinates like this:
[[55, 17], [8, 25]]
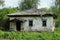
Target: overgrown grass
[[31, 35]]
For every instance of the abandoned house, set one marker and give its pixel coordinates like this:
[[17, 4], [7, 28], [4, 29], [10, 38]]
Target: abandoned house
[[32, 20]]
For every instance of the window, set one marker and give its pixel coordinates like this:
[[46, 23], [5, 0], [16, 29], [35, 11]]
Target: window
[[44, 22], [30, 23]]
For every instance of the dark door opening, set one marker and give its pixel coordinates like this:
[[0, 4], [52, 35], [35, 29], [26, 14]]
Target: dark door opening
[[18, 26]]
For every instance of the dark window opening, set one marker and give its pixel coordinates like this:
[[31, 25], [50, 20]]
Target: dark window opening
[[44, 22], [30, 23]]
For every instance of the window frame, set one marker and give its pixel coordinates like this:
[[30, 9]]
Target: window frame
[[44, 22], [30, 23]]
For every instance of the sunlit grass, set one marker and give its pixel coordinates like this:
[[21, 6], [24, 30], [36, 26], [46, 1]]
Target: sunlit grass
[[31, 35]]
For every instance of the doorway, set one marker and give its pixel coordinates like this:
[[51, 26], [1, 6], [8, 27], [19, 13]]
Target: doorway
[[18, 26]]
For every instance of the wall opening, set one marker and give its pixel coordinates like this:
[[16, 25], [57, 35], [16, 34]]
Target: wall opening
[[18, 26], [44, 22], [30, 22]]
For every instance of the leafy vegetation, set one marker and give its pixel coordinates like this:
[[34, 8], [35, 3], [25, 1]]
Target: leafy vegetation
[[31, 35], [56, 10], [5, 11], [57, 5], [1, 2], [28, 4], [3, 16]]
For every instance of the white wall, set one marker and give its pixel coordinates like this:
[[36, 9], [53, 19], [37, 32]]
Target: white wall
[[37, 24]]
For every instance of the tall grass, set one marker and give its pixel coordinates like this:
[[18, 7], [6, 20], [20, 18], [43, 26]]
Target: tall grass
[[31, 35]]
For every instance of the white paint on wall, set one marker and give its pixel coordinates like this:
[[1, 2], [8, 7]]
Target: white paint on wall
[[37, 24]]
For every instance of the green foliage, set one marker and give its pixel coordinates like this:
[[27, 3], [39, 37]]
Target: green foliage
[[28, 4], [31, 35], [5, 11], [54, 10], [44, 9], [4, 17], [57, 5], [2, 2]]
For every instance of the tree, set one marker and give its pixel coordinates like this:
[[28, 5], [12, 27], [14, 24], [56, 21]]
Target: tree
[[28, 4], [1, 2], [56, 9], [3, 16], [57, 4], [44, 9], [5, 11]]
